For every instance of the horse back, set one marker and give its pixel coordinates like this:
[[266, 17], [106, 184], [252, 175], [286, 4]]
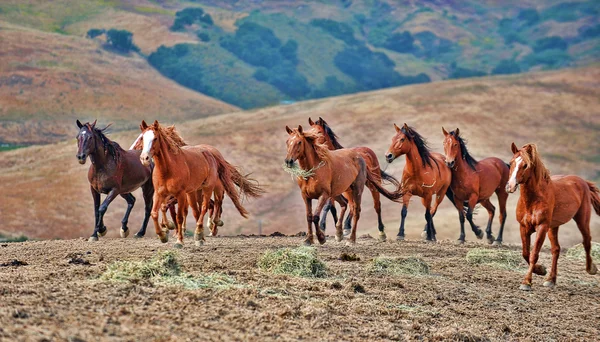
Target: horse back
[[346, 164], [570, 193], [493, 174]]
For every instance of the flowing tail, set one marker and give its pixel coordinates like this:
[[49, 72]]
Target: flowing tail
[[595, 193], [226, 175], [392, 196], [389, 178], [248, 187]]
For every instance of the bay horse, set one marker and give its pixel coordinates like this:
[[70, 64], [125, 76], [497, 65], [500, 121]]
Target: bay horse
[[334, 173], [330, 139], [545, 204], [425, 175], [474, 182], [113, 172], [180, 172]]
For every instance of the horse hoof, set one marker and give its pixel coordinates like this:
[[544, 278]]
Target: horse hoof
[[399, 237], [431, 240], [164, 238], [339, 238], [220, 223], [460, 242], [424, 234], [539, 270], [350, 243], [479, 234], [124, 233], [347, 232], [549, 284], [497, 243], [102, 233], [308, 242], [593, 269], [199, 237], [382, 237], [93, 238], [321, 240], [491, 240], [199, 243], [138, 235], [171, 225], [525, 287], [178, 245]]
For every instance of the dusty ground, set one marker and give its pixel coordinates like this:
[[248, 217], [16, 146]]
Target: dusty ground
[[52, 299]]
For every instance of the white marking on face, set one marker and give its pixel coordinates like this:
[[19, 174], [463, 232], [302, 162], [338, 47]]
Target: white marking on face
[[82, 132], [513, 178], [148, 138], [136, 141]]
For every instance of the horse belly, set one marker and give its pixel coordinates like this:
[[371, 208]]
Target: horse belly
[[567, 196]]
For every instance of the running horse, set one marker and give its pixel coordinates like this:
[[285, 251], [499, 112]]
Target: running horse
[[474, 182], [181, 172], [114, 172], [546, 203], [331, 174], [425, 175], [330, 139]]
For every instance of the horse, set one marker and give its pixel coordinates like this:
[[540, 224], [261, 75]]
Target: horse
[[113, 172], [546, 203], [474, 182], [214, 215], [425, 175], [182, 171], [330, 174], [330, 139]]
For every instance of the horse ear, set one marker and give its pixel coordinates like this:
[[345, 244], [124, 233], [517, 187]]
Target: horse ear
[[457, 131], [155, 124], [143, 125], [322, 121], [514, 148], [397, 128], [444, 131], [289, 130], [406, 128], [310, 122], [79, 124], [94, 124], [300, 129]]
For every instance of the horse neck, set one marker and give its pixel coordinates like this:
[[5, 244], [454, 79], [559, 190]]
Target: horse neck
[[310, 158], [461, 164], [414, 162], [99, 158], [164, 159], [329, 144], [534, 188]]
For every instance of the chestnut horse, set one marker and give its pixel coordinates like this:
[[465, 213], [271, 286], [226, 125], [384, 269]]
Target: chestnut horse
[[425, 175], [474, 182], [335, 173], [545, 204], [180, 172], [214, 216], [114, 172], [330, 139]]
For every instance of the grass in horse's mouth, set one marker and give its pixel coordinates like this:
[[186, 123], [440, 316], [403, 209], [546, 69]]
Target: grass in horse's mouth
[[296, 170]]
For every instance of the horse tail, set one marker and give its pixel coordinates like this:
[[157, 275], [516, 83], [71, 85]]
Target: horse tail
[[595, 193], [226, 176], [392, 196], [248, 187], [389, 178], [507, 165]]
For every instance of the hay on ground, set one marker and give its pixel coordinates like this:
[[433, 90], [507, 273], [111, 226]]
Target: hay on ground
[[300, 262], [577, 252], [389, 265], [503, 258]]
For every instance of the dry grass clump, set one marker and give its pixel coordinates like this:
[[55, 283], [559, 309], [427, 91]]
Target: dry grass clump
[[300, 262], [577, 252], [502, 258], [389, 265], [164, 269]]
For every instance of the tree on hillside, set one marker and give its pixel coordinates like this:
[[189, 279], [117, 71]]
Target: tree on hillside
[[93, 33], [189, 16], [400, 42], [549, 43], [506, 67], [121, 40]]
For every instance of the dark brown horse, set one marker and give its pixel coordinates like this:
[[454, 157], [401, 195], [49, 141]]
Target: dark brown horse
[[474, 182], [545, 204], [181, 172], [114, 172], [331, 174], [330, 139], [425, 175]]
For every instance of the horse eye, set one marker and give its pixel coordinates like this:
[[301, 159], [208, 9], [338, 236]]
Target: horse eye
[[524, 166], [455, 145], [402, 140]]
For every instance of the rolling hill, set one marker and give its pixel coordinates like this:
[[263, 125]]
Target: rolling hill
[[45, 192], [47, 80]]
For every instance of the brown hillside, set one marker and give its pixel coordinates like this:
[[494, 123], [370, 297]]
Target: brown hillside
[[48, 80], [45, 191]]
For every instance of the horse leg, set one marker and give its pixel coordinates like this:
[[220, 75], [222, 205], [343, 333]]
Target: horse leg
[[100, 227], [426, 200], [148, 193], [555, 248], [502, 197], [217, 210], [130, 203], [348, 223], [323, 220], [405, 202], [582, 218], [533, 258], [316, 216], [199, 233], [438, 199], [377, 206], [309, 234], [339, 234], [96, 197], [461, 217], [156, 203], [472, 202], [181, 199], [354, 198], [487, 204]]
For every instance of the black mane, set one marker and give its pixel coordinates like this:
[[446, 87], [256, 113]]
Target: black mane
[[465, 153], [112, 147], [421, 143], [330, 133]]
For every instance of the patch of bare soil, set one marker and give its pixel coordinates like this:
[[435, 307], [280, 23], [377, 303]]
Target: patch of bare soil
[[51, 296]]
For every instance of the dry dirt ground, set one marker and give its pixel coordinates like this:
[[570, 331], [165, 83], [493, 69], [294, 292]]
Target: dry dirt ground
[[53, 299]]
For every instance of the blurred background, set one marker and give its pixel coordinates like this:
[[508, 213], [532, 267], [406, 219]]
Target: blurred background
[[233, 73]]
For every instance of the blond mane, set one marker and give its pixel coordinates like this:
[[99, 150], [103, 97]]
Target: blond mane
[[532, 159], [321, 149], [171, 138]]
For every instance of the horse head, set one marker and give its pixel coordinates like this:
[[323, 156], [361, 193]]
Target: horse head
[[295, 145], [149, 136], [451, 147], [520, 166], [399, 145], [86, 141]]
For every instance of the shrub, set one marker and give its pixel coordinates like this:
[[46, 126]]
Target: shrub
[[93, 33], [549, 43], [506, 67], [341, 31], [400, 42], [465, 73], [121, 40], [203, 36], [189, 16], [588, 32], [299, 262], [554, 58], [529, 16]]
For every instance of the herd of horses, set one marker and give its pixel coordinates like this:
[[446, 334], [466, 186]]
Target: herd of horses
[[175, 176]]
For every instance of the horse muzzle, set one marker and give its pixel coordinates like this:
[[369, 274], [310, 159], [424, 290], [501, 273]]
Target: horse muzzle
[[511, 189], [450, 164], [389, 157], [289, 162], [145, 159], [81, 158]]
